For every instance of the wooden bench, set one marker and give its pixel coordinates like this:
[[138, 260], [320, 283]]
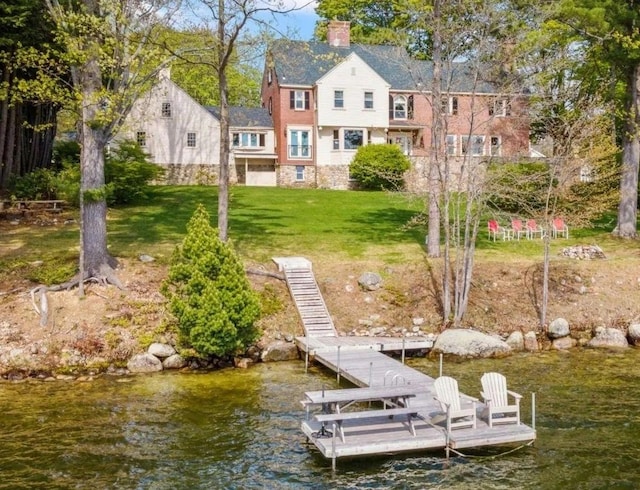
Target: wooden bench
[[367, 414], [54, 205]]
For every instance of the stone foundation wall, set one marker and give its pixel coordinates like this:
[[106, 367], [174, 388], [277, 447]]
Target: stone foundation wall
[[286, 176], [193, 174]]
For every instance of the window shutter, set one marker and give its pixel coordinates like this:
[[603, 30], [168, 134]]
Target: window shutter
[[410, 107], [390, 106], [454, 106], [292, 99], [306, 100]]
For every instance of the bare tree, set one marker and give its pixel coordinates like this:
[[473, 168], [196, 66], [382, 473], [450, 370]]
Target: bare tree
[[226, 21]]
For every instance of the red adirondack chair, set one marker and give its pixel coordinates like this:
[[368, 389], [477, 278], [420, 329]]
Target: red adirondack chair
[[533, 229], [559, 228]]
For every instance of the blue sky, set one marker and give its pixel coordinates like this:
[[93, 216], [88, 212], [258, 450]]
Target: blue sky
[[299, 23]]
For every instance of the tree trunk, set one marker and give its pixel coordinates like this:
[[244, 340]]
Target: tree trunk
[[628, 207], [433, 240], [97, 260], [223, 179]]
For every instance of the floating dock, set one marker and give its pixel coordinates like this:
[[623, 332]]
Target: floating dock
[[361, 361]]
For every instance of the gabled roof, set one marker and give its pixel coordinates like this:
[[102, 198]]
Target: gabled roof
[[303, 63], [245, 117]]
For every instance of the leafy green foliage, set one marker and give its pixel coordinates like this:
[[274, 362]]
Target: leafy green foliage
[[209, 293], [519, 188], [379, 167], [37, 185], [127, 173]]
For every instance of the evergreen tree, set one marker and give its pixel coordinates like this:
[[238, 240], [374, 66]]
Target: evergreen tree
[[209, 293]]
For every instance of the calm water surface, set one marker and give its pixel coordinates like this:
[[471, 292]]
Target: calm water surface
[[239, 429]]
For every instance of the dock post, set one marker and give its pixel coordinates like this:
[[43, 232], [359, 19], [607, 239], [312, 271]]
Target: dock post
[[333, 448], [306, 355], [533, 411], [370, 373], [440, 364], [338, 366], [403, 341]]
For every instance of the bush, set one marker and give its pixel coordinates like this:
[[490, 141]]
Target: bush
[[37, 185], [209, 293], [127, 173], [379, 167]]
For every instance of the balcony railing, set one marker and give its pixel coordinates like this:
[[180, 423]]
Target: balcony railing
[[300, 151]]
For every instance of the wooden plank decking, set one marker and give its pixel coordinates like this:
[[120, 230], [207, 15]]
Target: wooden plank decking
[[359, 360]]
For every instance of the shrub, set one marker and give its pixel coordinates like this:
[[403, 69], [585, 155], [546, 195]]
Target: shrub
[[209, 293], [379, 167], [37, 185], [127, 173]]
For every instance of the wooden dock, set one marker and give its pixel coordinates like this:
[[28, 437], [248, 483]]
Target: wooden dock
[[380, 378]]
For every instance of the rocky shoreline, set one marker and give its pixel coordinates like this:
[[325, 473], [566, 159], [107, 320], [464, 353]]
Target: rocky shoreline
[[460, 342]]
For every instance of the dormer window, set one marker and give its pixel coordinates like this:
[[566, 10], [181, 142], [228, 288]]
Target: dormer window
[[500, 107], [166, 109], [399, 107]]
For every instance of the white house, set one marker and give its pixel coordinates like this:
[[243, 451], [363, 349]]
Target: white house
[[183, 137]]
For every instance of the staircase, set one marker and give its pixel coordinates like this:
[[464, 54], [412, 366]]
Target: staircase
[[304, 290]]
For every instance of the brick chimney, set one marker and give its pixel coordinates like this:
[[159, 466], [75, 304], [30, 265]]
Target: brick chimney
[[338, 33]]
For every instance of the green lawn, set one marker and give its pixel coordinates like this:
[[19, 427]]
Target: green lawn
[[267, 222]]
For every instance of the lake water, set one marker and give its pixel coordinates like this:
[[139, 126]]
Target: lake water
[[239, 429]]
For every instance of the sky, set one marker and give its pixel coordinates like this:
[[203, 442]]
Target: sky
[[299, 23]]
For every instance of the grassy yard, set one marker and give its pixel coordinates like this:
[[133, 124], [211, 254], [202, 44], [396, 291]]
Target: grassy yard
[[267, 222]]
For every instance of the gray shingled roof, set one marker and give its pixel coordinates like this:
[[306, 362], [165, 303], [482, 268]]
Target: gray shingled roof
[[303, 63], [245, 117]]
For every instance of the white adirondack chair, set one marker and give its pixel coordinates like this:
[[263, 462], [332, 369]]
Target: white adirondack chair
[[451, 403], [495, 395]]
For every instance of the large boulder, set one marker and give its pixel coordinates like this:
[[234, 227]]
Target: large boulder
[[370, 281], [470, 343], [564, 343], [161, 350], [175, 361], [608, 338], [558, 328], [144, 363], [516, 341], [634, 333], [280, 351], [531, 342]]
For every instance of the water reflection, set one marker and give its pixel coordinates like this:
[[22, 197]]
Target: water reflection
[[239, 429]]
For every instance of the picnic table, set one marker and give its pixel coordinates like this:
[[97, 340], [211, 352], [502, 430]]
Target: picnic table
[[395, 401]]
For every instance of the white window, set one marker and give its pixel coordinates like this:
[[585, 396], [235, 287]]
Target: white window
[[452, 146], [501, 107], [166, 109], [269, 77], [496, 146], [352, 139], [141, 138], [400, 107], [338, 99], [299, 144], [336, 139], [586, 174], [299, 173], [450, 105], [299, 100], [473, 145], [248, 140], [191, 140], [368, 100]]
